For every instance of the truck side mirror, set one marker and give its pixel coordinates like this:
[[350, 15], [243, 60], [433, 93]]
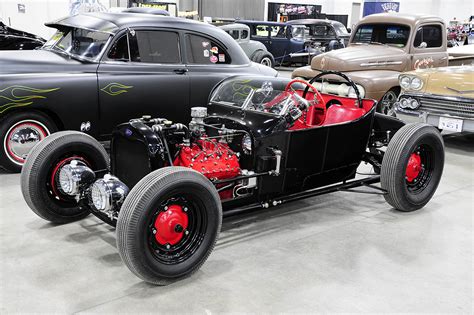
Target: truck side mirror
[[423, 45]]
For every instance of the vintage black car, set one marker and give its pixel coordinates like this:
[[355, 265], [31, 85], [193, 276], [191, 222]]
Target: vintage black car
[[260, 143], [101, 69], [13, 39], [297, 41], [325, 34]]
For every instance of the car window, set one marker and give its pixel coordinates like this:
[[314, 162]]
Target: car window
[[340, 29], [432, 35], [82, 43], [234, 34], [261, 30], [119, 50], [202, 50], [277, 31], [155, 47], [245, 34], [389, 34]]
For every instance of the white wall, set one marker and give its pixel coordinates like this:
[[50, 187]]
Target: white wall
[[446, 9], [37, 12]]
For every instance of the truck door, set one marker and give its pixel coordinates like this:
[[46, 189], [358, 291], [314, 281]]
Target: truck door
[[143, 74], [429, 47]]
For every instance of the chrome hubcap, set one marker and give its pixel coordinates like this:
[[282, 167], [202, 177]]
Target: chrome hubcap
[[266, 62], [387, 103], [21, 138]]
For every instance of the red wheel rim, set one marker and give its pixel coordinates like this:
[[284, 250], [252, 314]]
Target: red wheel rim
[[414, 167], [170, 225]]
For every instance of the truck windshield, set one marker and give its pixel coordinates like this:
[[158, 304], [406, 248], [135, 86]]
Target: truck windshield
[[81, 43], [387, 34]]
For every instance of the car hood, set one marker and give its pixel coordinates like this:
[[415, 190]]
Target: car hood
[[362, 57], [448, 81], [35, 61]]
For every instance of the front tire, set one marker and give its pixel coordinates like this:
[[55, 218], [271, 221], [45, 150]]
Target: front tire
[[412, 166], [169, 224], [19, 133], [40, 174], [264, 57], [387, 103]]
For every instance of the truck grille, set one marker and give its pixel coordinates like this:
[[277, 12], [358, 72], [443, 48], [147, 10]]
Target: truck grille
[[451, 107], [130, 162]]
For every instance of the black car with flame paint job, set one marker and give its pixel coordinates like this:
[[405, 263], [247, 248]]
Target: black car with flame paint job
[[101, 69], [260, 142]]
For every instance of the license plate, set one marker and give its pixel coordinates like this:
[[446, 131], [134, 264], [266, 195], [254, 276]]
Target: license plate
[[450, 124]]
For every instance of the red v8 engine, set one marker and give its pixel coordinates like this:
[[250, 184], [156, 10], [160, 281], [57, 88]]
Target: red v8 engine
[[212, 158]]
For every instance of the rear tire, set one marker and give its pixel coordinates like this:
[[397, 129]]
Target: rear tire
[[409, 189], [264, 57], [19, 132], [41, 170], [142, 244]]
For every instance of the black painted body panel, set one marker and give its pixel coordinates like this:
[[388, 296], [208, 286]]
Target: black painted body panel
[[104, 93]]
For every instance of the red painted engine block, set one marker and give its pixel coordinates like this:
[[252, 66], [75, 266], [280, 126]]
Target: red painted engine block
[[211, 158]]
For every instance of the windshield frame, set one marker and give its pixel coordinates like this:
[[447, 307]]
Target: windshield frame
[[407, 43], [67, 30]]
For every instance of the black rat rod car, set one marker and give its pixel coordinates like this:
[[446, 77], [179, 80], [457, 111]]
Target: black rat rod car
[[261, 142], [88, 75]]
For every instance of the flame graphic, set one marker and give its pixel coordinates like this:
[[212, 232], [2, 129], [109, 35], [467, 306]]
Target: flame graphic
[[14, 98], [115, 88]]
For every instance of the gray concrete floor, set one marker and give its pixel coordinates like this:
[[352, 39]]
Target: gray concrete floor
[[340, 252]]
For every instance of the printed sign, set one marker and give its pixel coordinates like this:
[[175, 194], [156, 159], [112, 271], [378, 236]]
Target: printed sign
[[213, 59], [221, 57], [21, 8], [206, 53]]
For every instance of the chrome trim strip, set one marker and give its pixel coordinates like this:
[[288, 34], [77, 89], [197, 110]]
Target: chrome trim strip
[[380, 64]]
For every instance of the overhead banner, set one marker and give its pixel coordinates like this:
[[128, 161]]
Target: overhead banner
[[380, 7]]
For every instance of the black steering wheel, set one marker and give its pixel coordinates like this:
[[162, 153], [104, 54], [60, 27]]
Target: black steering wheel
[[342, 75]]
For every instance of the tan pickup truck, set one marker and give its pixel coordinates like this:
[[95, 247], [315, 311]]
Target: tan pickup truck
[[380, 48]]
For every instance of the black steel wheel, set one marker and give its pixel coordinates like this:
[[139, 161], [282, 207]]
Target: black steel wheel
[[40, 174], [169, 224], [412, 166]]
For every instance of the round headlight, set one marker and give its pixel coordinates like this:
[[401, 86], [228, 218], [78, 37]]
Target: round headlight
[[66, 180], [405, 82], [247, 144], [403, 103], [416, 83], [413, 104], [100, 195]]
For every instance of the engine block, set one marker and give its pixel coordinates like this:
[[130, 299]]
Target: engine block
[[212, 158]]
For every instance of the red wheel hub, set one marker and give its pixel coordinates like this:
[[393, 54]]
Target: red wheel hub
[[171, 225], [413, 167]]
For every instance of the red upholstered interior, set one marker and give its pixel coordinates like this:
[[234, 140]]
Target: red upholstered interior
[[340, 113], [344, 109]]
